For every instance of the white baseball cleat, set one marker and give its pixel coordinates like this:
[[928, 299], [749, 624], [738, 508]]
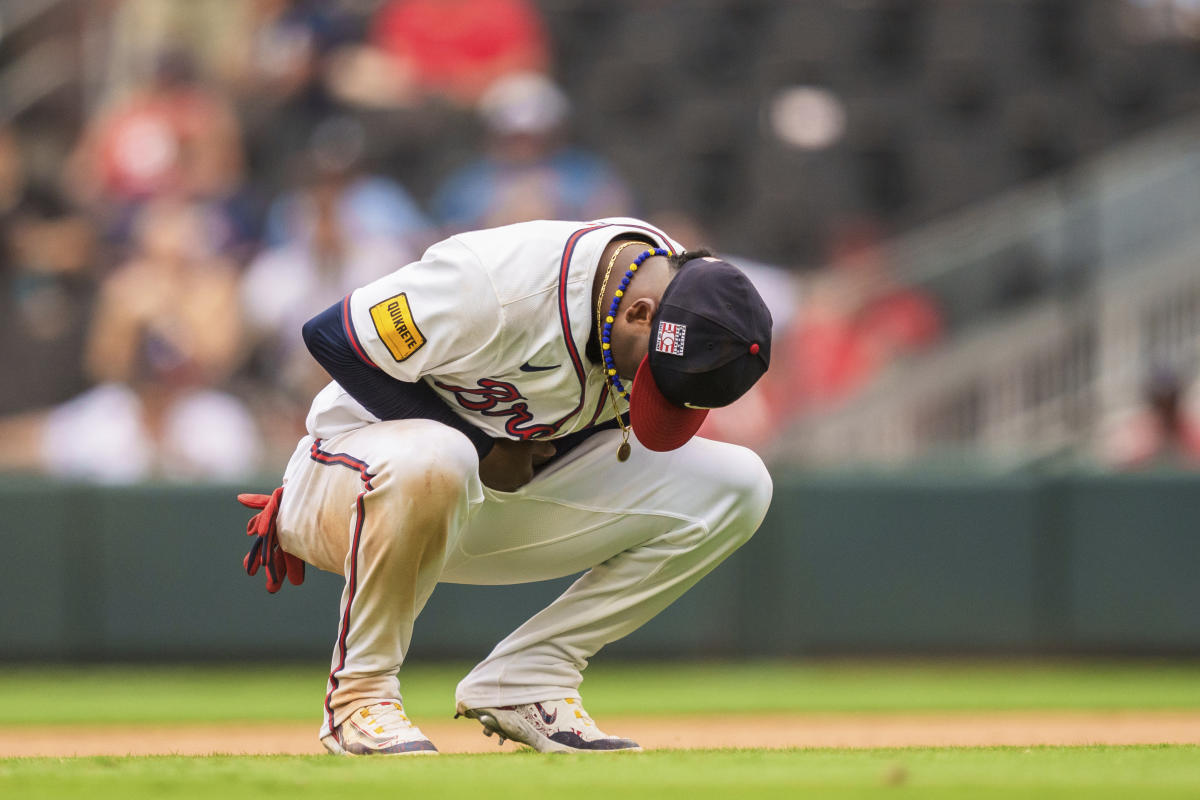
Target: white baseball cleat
[[378, 729], [551, 726]]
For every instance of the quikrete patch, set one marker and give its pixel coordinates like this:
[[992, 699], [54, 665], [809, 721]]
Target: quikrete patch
[[396, 327]]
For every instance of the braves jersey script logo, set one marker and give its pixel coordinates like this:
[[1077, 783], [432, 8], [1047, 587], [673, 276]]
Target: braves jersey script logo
[[489, 394]]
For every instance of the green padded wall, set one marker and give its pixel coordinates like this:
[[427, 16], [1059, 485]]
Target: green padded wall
[[913, 563]]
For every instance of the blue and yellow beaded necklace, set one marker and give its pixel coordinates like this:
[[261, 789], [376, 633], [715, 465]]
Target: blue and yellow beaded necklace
[[604, 327]]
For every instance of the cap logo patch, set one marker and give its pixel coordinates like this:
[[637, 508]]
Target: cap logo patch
[[671, 336]]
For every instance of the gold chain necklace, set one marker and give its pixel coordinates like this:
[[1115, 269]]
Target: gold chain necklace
[[623, 450]]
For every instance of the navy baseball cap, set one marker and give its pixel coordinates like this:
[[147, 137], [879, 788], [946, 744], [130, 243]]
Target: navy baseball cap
[[710, 340]]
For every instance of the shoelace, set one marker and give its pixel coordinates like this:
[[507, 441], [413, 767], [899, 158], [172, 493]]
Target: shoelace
[[386, 715], [579, 714]]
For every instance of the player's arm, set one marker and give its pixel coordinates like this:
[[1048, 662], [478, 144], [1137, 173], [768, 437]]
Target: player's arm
[[328, 338], [436, 314], [503, 465]]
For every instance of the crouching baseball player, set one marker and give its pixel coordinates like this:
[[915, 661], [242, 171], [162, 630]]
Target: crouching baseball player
[[477, 431]]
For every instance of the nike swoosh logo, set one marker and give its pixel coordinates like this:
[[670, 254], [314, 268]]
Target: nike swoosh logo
[[546, 718], [527, 367]]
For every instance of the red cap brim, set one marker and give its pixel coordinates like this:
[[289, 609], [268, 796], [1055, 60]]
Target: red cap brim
[[658, 423]]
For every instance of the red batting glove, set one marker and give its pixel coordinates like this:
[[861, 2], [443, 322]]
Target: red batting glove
[[266, 552]]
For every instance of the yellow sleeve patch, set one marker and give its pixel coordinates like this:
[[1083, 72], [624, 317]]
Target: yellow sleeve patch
[[396, 327]]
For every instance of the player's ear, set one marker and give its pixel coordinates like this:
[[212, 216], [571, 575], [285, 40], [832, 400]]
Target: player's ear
[[641, 311]]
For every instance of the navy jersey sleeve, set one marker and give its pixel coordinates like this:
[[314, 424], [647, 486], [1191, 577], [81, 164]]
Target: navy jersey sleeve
[[327, 338]]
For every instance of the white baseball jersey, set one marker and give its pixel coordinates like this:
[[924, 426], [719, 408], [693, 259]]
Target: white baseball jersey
[[497, 322]]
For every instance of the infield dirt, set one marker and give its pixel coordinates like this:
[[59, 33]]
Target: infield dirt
[[858, 730]]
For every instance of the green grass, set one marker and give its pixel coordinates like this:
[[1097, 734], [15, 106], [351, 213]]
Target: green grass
[[1084, 772], [139, 694], [166, 695]]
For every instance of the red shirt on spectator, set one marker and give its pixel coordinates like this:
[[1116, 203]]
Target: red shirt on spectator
[[460, 46], [163, 140], [905, 319], [828, 360], [1145, 441]]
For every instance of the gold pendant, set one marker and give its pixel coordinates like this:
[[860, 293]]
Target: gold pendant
[[623, 452]]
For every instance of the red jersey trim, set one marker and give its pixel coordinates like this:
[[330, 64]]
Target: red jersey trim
[[565, 317], [359, 466], [348, 324]]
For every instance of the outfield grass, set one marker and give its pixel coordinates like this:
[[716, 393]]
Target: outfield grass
[[1084, 772], [140, 694]]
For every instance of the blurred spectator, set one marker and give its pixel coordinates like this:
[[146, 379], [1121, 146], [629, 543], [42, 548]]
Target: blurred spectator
[[342, 229], [282, 93], [169, 315], [173, 135], [855, 320], [116, 434], [166, 333], [827, 356], [529, 171], [289, 36], [899, 320], [213, 34], [366, 205], [453, 49], [1164, 432], [330, 244], [1151, 20], [46, 287]]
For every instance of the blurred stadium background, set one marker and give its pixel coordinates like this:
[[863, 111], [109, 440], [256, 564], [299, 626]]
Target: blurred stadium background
[[977, 223]]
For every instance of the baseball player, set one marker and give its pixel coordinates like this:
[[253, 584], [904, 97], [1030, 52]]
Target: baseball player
[[477, 431]]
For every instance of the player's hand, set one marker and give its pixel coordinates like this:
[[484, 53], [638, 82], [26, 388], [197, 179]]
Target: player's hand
[[266, 551], [510, 464]]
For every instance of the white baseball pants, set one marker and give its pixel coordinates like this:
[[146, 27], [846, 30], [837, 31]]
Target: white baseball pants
[[396, 507]]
